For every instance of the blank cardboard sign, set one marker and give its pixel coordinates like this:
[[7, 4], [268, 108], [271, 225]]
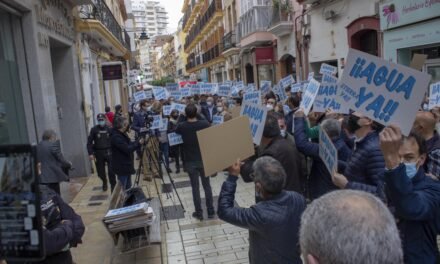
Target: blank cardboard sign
[[223, 144], [235, 112]]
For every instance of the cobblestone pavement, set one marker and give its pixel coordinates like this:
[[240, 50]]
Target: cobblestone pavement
[[184, 240]]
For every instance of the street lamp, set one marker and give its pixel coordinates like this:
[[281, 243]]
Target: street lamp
[[143, 35]]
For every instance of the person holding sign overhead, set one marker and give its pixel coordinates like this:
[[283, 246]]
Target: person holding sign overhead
[[365, 168]]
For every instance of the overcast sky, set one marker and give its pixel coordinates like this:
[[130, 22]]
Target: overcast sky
[[173, 8]]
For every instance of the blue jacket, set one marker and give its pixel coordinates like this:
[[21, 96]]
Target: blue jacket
[[138, 120], [365, 168], [417, 206], [320, 181], [273, 224]]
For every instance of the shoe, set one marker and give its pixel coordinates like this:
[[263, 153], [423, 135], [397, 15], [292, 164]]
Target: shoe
[[198, 215], [104, 187], [147, 178], [169, 170], [177, 171], [211, 216]]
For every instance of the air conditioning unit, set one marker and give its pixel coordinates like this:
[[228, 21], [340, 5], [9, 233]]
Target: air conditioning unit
[[330, 14]]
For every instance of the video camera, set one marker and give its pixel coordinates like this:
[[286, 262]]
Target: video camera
[[148, 122]]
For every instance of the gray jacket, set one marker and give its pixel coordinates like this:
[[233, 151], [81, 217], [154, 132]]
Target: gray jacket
[[52, 162]]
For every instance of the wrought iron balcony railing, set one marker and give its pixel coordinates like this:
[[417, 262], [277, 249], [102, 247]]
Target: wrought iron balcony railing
[[213, 53], [258, 18], [229, 40], [100, 11]]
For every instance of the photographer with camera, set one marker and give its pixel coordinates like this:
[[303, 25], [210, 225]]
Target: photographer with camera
[[142, 122]]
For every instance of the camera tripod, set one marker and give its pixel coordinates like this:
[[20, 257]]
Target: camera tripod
[[150, 148]]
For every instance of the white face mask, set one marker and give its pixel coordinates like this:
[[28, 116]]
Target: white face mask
[[219, 109], [209, 103], [283, 132], [269, 107]]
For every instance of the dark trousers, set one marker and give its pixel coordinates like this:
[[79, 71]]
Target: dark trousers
[[55, 187], [175, 153], [101, 160], [165, 153], [125, 181], [196, 172]]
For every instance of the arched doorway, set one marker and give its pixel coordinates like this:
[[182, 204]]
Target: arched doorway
[[287, 65], [249, 73], [362, 35]]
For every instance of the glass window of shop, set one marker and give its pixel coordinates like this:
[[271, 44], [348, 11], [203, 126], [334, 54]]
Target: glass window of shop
[[12, 117]]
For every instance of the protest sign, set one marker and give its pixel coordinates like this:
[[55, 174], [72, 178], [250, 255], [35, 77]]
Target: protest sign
[[195, 89], [224, 90], [286, 81], [216, 155], [328, 152], [206, 88], [309, 96], [434, 95], [159, 93], [286, 109], [418, 61], [178, 107], [163, 124], [310, 76], [157, 121], [252, 97], [239, 86], [139, 96], [326, 78], [217, 119], [304, 85], [172, 87], [174, 139], [235, 111], [296, 88], [280, 92], [177, 95], [257, 118], [265, 87], [167, 110], [328, 69], [327, 98], [250, 87], [149, 94], [185, 92], [381, 90]]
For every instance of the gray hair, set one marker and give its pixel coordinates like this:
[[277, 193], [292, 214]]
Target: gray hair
[[49, 134], [350, 227], [119, 122], [332, 127], [269, 172]]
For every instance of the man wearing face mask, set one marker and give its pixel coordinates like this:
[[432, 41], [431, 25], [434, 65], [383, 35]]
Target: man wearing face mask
[[364, 170], [99, 149], [414, 196], [209, 110]]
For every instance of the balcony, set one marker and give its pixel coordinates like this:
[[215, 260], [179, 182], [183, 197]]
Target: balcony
[[282, 22], [213, 14], [212, 54], [191, 14], [230, 44], [253, 26], [97, 21]]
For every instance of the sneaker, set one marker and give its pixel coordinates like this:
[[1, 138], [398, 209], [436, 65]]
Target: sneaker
[[177, 171], [169, 170], [198, 215]]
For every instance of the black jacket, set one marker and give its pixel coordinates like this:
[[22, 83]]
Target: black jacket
[[122, 153], [99, 139], [206, 114], [273, 224]]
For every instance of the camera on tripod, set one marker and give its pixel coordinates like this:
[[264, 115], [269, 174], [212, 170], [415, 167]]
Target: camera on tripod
[[148, 122]]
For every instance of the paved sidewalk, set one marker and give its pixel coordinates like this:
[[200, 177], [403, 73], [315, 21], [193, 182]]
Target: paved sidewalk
[[187, 240]]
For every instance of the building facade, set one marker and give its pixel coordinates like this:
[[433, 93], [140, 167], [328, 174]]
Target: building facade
[[409, 28], [231, 46], [181, 56], [168, 59]]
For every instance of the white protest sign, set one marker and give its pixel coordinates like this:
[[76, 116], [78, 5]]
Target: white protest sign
[[328, 69], [286, 81], [172, 87], [250, 87], [252, 97], [174, 139], [326, 78], [185, 92], [257, 118], [296, 88], [327, 98], [309, 96], [265, 86], [139, 96], [159, 93], [167, 110], [206, 88], [176, 95], [163, 124], [328, 152], [381, 90], [157, 121], [149, 94], [178, 107], [195, 89], [239, 86], [310, 76], [217, 119], [286, 109], [434, 95], [304, 85], [224, 90]]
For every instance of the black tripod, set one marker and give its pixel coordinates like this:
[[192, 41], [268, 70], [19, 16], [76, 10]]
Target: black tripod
[[150, 148]]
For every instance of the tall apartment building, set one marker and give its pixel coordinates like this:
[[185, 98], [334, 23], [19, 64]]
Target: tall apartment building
[[151, 17]]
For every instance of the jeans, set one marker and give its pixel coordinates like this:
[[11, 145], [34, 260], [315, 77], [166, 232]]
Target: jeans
[[125, 181], [165, 152], [194, 173]]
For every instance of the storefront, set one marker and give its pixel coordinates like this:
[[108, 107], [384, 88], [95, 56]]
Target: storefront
[[411, 27], [40, 86]]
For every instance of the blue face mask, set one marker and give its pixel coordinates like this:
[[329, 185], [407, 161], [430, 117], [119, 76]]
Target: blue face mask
[[101, 123], [411, 169]]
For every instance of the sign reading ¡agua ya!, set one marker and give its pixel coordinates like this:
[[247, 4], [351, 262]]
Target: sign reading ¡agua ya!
[[328, 152], [383, 91], [252, 97], [174, 139], [139, 96], [217, 120], [159, 93], [327, 97], [309, 96], [434, 95], [224, 90], [257, 118], [328, 69], [265, 86]]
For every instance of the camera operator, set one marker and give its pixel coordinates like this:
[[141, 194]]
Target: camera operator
[[141, 124]]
